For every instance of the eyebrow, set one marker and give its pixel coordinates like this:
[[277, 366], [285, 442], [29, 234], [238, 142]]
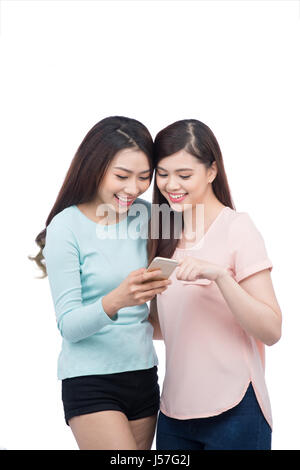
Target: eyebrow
[[179, 169], [129, 171]]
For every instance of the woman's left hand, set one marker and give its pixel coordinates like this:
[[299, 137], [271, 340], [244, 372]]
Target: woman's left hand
[[191, 269]]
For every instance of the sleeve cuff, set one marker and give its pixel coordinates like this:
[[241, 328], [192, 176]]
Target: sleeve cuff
[[106, 319], [255, 268]]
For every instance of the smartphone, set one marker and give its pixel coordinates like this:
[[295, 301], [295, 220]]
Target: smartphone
[[166, 265]]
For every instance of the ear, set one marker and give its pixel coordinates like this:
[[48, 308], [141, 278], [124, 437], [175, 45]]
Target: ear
[[212, 171]]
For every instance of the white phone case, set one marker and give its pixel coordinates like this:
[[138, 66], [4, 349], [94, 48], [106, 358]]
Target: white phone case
[[165, 264]]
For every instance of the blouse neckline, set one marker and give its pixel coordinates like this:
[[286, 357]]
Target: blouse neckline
[[212, 225], [98, 224]]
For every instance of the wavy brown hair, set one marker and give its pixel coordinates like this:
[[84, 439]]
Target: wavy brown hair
[[90, 163], [196, 138]]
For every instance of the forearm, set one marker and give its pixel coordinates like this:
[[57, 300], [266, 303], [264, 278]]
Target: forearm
[[84, 321], [256, 318]]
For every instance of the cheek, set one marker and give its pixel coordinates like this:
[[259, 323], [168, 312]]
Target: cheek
[[108, 187], [106, 182], [145, 185], [195, 187], [160, 183]]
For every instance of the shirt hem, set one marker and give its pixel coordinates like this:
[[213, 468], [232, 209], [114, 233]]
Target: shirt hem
[[220, 410], [108, 370]]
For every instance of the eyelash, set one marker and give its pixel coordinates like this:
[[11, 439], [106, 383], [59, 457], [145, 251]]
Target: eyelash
[[141, 178], [183, 177]]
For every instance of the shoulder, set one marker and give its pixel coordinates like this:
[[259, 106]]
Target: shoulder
[[240, 220], [64, 219], [241, 227], [61, 228]]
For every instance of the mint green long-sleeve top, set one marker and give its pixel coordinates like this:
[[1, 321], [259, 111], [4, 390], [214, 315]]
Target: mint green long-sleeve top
[[85, 261]]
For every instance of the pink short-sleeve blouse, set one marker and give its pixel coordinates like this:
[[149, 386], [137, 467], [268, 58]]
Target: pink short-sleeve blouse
[[210, 359]]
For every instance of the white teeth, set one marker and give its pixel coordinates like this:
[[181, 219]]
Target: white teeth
[[124, 199], [177, 197]]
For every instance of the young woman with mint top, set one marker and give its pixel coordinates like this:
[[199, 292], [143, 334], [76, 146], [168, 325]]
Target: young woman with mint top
[[107, 364], [221, 309]]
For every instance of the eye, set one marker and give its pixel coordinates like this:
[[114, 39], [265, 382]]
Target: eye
[[144, 178], [162, 176], [185, 177]]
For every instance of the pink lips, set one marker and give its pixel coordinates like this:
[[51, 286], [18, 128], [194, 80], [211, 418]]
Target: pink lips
[[176, 199], [123, 203]]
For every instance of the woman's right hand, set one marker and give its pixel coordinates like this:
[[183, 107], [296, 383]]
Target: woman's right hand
[[136, 289]]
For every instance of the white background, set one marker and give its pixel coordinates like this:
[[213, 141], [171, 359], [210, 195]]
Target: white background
[[65, 65]]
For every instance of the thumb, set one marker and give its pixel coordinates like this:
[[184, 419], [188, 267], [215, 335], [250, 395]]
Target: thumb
[[139, 271]]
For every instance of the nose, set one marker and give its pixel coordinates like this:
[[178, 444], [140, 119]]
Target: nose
[[172, 184], [132, 188]]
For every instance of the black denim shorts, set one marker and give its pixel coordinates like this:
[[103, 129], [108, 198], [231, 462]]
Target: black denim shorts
[[136, 393]]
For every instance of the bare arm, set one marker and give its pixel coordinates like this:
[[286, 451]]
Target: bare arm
[[254, 304], [153, 319]]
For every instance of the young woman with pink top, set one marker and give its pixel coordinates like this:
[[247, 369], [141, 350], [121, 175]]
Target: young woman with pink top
[[220, 310]]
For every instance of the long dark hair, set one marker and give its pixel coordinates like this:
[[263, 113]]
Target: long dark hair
[[90, 163], [197, 139]]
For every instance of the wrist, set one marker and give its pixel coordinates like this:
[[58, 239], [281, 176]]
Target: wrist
[[111, 303], [222, 274]]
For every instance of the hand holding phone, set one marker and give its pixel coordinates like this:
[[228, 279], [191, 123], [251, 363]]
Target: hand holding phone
[[140, 286], [137, 288]]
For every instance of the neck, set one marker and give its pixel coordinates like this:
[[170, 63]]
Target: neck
[[200, 217], [106, 217]]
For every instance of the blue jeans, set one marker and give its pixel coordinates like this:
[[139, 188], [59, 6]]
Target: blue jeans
[[242, 427]]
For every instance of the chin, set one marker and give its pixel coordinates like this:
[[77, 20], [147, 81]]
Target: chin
[[177, 207]]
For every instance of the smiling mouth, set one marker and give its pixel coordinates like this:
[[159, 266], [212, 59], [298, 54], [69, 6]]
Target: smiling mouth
[[177, 197], [123, 201]]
